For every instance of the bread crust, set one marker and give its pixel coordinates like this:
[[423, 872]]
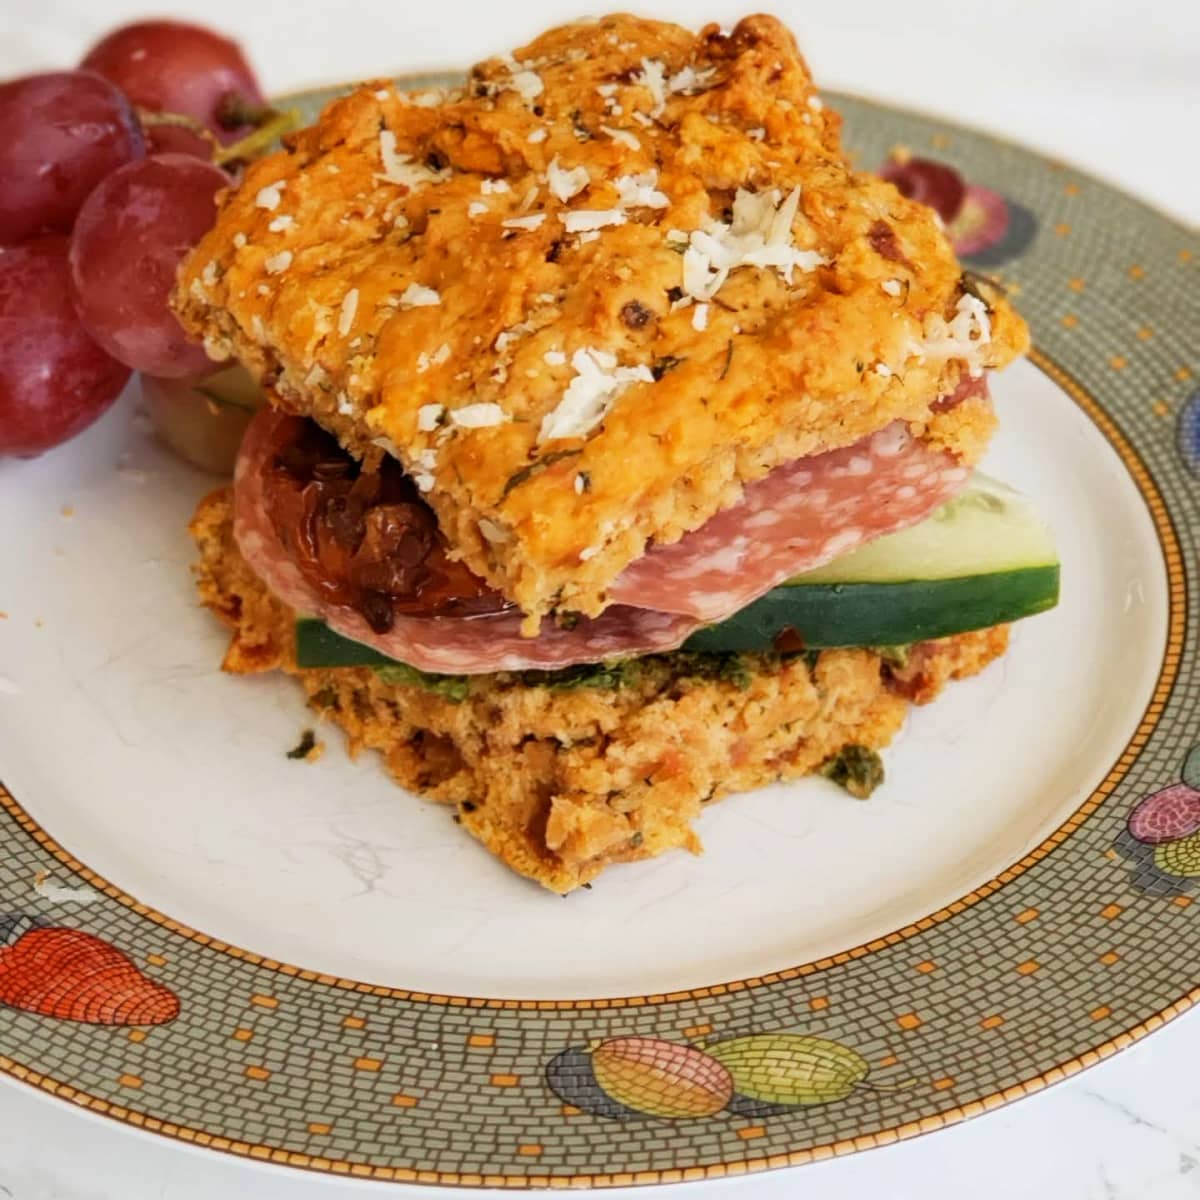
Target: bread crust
[[321, 272]]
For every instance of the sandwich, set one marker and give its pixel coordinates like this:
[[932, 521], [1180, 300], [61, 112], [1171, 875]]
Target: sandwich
[[621, 439]]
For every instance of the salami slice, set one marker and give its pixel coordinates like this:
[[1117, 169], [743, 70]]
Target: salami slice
[[798, 517], [444, 645]]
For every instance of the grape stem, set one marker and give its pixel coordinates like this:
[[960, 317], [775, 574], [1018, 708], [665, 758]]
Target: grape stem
[[233, 111], [147, 117], [274, 124], [255, 143]]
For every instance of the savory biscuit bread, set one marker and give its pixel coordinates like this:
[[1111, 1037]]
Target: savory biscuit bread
[[561, 776], [618, 443], [593, 297]]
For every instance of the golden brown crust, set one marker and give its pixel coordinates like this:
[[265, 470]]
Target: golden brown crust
[[559, 784], [305, 277]]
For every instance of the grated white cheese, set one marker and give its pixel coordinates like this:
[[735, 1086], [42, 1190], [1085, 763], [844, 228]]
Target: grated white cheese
[[641, 191], [492, 531], [489, 186], [538, 135], [623, 136], [345, 405], [597, 383], [425, 361], [580, 485], [883, 370], [760, 235], [56, 893], [429, 417], [386, 444], [642, 119], [554, 358], [349, 308], [757, 133], [653, 77], [240, 240], [689, 81], [278, 262], [589, 236], [400, 168], [814, 102], [426, 463], [476, 208], [963, 336], [209, 275], [532, 221], [607, 89], [588, 552], [418, 296], [527, 84], [581, 220], [269, 197], [700, 318], [891, 286], [565, 182], [478, 416], [280, 223]]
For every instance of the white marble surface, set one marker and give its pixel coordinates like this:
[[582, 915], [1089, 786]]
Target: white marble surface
[[1109, 88]]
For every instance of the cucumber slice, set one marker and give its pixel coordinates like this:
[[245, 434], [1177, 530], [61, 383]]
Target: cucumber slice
[[984, 558], [319, 646], [988, 527], [883, 614]]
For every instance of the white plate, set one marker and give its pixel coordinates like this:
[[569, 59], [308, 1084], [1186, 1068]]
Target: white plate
[[124, 741]]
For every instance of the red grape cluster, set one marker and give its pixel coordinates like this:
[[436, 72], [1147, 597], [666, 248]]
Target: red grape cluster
[[109, 179]]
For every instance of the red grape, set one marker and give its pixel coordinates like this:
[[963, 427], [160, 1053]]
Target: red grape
[[171, 66], [176, 139], [128, 242], [928, 182], [54, 379], [60, 134]]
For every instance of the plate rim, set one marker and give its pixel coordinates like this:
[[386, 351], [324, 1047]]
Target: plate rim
[[1177, 625], [1177, 599]]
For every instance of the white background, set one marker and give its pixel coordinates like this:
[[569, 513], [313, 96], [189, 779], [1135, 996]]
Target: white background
[[1109, 86]]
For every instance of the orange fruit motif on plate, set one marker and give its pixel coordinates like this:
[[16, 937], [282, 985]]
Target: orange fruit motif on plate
[[660, 1078], [75, 976]]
